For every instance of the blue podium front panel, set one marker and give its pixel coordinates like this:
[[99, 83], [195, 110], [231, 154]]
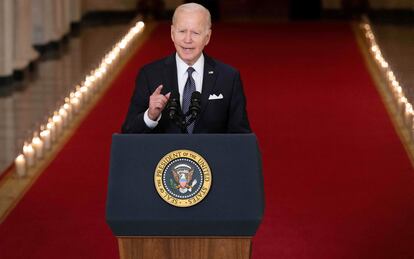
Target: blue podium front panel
[[233, 207]]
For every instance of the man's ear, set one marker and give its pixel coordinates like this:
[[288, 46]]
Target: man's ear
[[208, 36], [172, 32]]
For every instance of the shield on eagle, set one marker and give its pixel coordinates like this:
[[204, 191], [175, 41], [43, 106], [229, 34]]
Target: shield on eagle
[[183, 176]]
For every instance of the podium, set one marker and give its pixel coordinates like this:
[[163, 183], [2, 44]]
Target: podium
[[221, 225]]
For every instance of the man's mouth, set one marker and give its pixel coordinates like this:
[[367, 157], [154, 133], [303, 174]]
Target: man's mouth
[[187, 49]]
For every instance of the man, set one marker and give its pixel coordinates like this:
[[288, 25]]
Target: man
[[223, 104]]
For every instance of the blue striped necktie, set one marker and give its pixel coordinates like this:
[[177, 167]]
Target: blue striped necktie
[[189, 88]]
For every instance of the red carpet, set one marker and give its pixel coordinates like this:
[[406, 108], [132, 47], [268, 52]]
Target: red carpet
[[338, 182]]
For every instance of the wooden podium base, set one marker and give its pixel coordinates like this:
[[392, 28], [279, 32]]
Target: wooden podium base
[[184, 247]]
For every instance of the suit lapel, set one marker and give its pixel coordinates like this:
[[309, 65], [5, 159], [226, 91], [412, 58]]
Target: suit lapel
[[170, 76], [209, 80]]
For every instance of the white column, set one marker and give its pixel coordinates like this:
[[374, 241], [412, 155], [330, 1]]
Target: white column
[[56, 20], [60, 18], [43, 23], [39, 35], [8, 132], [76, 10], [48, 21], [23, 51], [6, 37], [66, 16]]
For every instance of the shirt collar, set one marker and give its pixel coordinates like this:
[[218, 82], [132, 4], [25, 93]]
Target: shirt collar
[[182, 66]]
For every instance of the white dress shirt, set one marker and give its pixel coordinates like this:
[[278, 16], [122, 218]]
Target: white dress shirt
[[182, 76]]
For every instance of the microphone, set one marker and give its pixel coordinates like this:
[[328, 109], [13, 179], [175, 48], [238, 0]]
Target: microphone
[[172, 106], [195, 105]]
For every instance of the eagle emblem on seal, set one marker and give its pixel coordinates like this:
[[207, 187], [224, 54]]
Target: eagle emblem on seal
[[183, 177]]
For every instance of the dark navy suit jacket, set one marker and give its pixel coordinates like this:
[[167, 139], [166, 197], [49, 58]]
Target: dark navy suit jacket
[[226, 115]]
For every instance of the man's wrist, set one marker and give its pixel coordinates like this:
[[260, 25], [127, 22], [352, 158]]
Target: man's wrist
[[149, 122]]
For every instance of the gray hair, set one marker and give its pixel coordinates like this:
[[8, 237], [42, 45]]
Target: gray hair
[[192, 7]]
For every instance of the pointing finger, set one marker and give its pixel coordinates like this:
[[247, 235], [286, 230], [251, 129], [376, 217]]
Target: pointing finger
[[158, 90]]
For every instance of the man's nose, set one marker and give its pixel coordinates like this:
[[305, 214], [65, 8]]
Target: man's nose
[[187, 37]]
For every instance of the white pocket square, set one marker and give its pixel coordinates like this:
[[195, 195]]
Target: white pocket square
[[215, 97]]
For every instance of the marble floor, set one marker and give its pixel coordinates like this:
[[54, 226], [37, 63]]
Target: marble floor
[[26, 104]]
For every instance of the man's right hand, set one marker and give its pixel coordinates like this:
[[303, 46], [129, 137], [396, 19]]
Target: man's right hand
[[157, 103]]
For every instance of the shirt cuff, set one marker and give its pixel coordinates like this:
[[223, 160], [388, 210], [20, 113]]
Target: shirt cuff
[[150, 123]]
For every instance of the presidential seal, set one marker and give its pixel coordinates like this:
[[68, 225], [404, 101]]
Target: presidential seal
[[182, 178]]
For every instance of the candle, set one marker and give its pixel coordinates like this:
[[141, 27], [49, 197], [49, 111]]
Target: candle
[[409, 115], [52, 129], [45, 135], [98, 75], [57, 120], [92, 80], [76, 104], [398, 93], [412, 130], [402, 104], [20, 164], [64, 115], [68, 108], [88, 83], [37, 144], [103, 67], [78, 95], [29, 154], [85, 93]]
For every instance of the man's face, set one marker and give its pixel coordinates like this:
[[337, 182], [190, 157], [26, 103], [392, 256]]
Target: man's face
[[190, 35]]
